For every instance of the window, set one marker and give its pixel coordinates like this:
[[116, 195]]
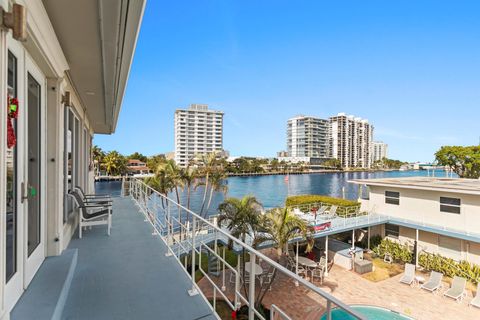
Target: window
[[392, 230], [392, 197], [451, 205]]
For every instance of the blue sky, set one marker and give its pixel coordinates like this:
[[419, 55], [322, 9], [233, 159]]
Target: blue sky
[[411, 68]]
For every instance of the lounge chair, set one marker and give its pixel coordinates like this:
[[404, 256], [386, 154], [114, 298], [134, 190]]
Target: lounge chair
[[331, 213], [91, 214], [476, 300], [457, 290], [434, 283], [409, 275]]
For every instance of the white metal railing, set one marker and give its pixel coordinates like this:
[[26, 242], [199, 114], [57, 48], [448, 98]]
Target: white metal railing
[[189, 237]]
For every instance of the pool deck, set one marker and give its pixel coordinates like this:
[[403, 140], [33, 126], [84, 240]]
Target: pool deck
[[352, 289]]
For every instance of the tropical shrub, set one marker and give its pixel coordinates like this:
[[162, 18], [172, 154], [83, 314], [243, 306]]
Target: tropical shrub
[[449, 267], [397, 251], [308, 201], [313, 198]]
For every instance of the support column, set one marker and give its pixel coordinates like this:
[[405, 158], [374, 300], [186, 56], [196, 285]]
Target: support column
[[353, 239], [416, 247], [296, 265], [368, 238], [251, 287], [326, 255]]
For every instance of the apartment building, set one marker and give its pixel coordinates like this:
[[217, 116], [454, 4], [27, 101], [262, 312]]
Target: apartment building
[[198, 130], [351, 141], [438, 215], [379, 151], [308, 137]]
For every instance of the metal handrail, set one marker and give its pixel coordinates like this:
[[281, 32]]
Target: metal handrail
[[197, 220]]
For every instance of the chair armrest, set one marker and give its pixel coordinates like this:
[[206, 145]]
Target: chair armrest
[[91, 205]]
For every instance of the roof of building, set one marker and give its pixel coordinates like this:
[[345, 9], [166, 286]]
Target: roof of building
[[454, 185]]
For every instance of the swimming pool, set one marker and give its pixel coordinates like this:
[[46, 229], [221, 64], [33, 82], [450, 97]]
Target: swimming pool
[[370, 312]]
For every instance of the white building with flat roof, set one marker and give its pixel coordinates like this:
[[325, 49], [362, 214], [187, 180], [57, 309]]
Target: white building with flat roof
[[439, 215], [198, 130], [351, 141], [380, 151], [308, 137]]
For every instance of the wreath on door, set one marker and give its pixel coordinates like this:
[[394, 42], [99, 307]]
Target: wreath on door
[[12, 104]]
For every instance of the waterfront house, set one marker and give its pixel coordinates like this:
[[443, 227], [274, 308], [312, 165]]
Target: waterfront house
[[439, 215], [64, 68], [137, 167]]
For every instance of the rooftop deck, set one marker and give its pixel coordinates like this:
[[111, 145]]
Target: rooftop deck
[[127, 275]]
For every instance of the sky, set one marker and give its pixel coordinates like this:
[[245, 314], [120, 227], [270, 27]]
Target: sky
[[412, 68]]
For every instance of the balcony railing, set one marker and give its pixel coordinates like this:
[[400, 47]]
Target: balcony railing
[[190, 236]]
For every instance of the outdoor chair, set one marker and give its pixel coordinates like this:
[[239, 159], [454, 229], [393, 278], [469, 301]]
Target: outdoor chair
[[93, 198], [457, 290], [290, 263], [331, 213], [434, 283], [267, 278], [409, 275], [91, 214], [476, 300], [318, 272], [323, 261]]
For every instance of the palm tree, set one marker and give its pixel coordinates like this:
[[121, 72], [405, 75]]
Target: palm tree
[[114, 163], [280, 226], [241, 217], [217, 184], [207, 164], [188, 175]]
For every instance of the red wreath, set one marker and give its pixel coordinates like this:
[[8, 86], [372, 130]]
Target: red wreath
[[12, 106]]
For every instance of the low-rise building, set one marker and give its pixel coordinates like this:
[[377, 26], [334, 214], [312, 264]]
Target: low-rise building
[[438, 215], [136, 166]]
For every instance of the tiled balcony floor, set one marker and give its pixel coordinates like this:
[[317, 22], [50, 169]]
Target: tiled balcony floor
[[128, 276]]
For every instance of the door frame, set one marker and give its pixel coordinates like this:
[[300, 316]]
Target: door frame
[[33, 263], [14, 287]]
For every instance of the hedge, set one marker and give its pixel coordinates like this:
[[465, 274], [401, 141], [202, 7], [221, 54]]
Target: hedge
[[449, 267], [312, 199]]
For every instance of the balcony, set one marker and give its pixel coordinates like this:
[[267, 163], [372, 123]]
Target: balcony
[[124, 276]]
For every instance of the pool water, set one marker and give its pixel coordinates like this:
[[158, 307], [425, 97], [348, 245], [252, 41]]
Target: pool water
[[369, 312]]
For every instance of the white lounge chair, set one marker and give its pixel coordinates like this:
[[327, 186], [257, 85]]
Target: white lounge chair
[[331, 213], [409, 275], [476, 301], [434, 283], [457, 290]]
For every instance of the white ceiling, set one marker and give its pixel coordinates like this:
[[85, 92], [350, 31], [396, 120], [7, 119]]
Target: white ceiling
[[98, 39]]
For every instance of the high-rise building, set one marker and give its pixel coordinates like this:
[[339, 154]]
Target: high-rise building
[[351, 141], [198, 130], [380, 151], [308, 137]]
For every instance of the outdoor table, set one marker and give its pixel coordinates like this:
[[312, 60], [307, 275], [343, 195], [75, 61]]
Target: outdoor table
[[258, 269], [307, 262]]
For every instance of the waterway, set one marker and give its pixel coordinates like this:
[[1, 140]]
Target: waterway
[[272, 191]]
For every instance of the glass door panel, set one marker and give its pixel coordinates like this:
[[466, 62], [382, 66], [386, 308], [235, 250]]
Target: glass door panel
[[34, 164]]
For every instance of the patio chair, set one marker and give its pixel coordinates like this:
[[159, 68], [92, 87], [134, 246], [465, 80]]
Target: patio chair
[[91, 214], [476, 300], [267, 279], [331, 213], [409, 275], [94, 198], [457, 290], [290, 263], [434, 283], [318, 272]]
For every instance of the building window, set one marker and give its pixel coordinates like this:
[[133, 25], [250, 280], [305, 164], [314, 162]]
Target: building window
[[451, 205], [392, 197], [392, 230]]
